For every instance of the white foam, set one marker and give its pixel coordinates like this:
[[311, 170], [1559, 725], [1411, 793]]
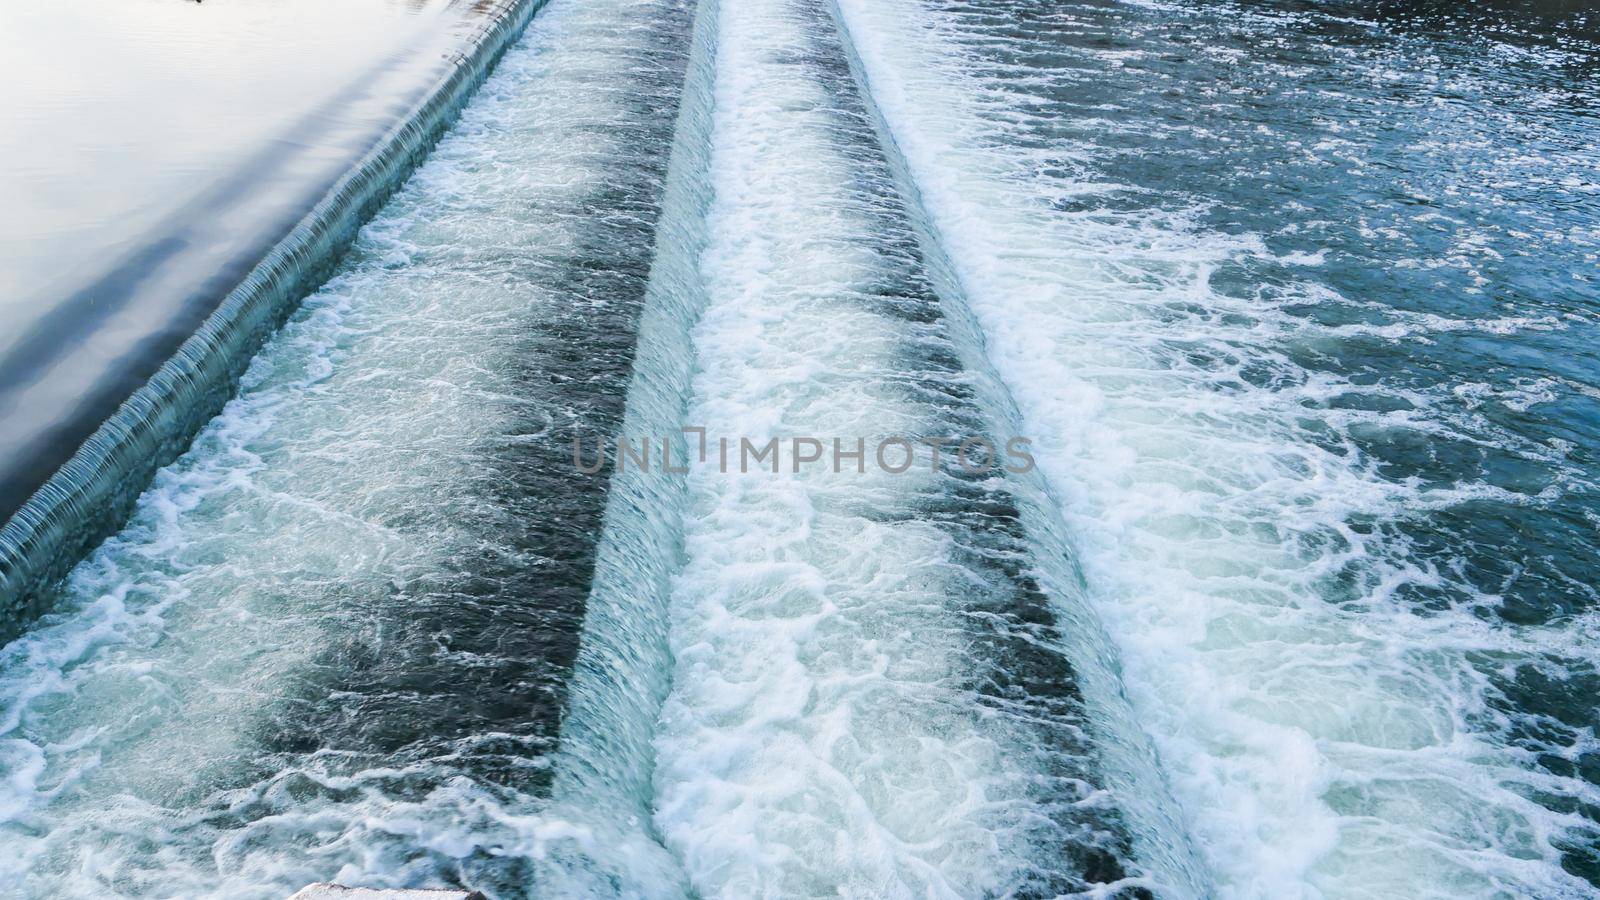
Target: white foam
[[332, 477], [1321, 745], [819, 738]]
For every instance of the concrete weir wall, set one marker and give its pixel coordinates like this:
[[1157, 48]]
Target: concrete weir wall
[[91, 495]]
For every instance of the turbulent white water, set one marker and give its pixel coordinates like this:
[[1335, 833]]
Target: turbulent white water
[[196, 719], [1322, 743], [377, 626], [831, 633]]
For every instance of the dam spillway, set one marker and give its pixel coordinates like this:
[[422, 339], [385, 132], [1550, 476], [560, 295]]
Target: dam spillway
[[1290, 599]]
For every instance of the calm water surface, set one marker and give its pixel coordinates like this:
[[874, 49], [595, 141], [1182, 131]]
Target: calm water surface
[[150, 153]]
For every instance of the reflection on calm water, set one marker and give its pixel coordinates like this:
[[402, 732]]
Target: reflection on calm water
[[150, 152]]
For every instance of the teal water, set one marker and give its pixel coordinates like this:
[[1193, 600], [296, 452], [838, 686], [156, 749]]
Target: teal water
[[1303, 299], [1423, 188], [1297, 303]]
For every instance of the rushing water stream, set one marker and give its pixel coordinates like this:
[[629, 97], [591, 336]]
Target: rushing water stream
[[1297, 306]]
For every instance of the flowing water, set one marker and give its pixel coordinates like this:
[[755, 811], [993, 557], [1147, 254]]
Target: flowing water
[[1304, 307], [347, 613], [1296, 304]]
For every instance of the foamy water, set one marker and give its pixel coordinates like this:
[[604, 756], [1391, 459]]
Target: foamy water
[[834, 634], [1325, 737], [1298, 601], [330, 645]]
